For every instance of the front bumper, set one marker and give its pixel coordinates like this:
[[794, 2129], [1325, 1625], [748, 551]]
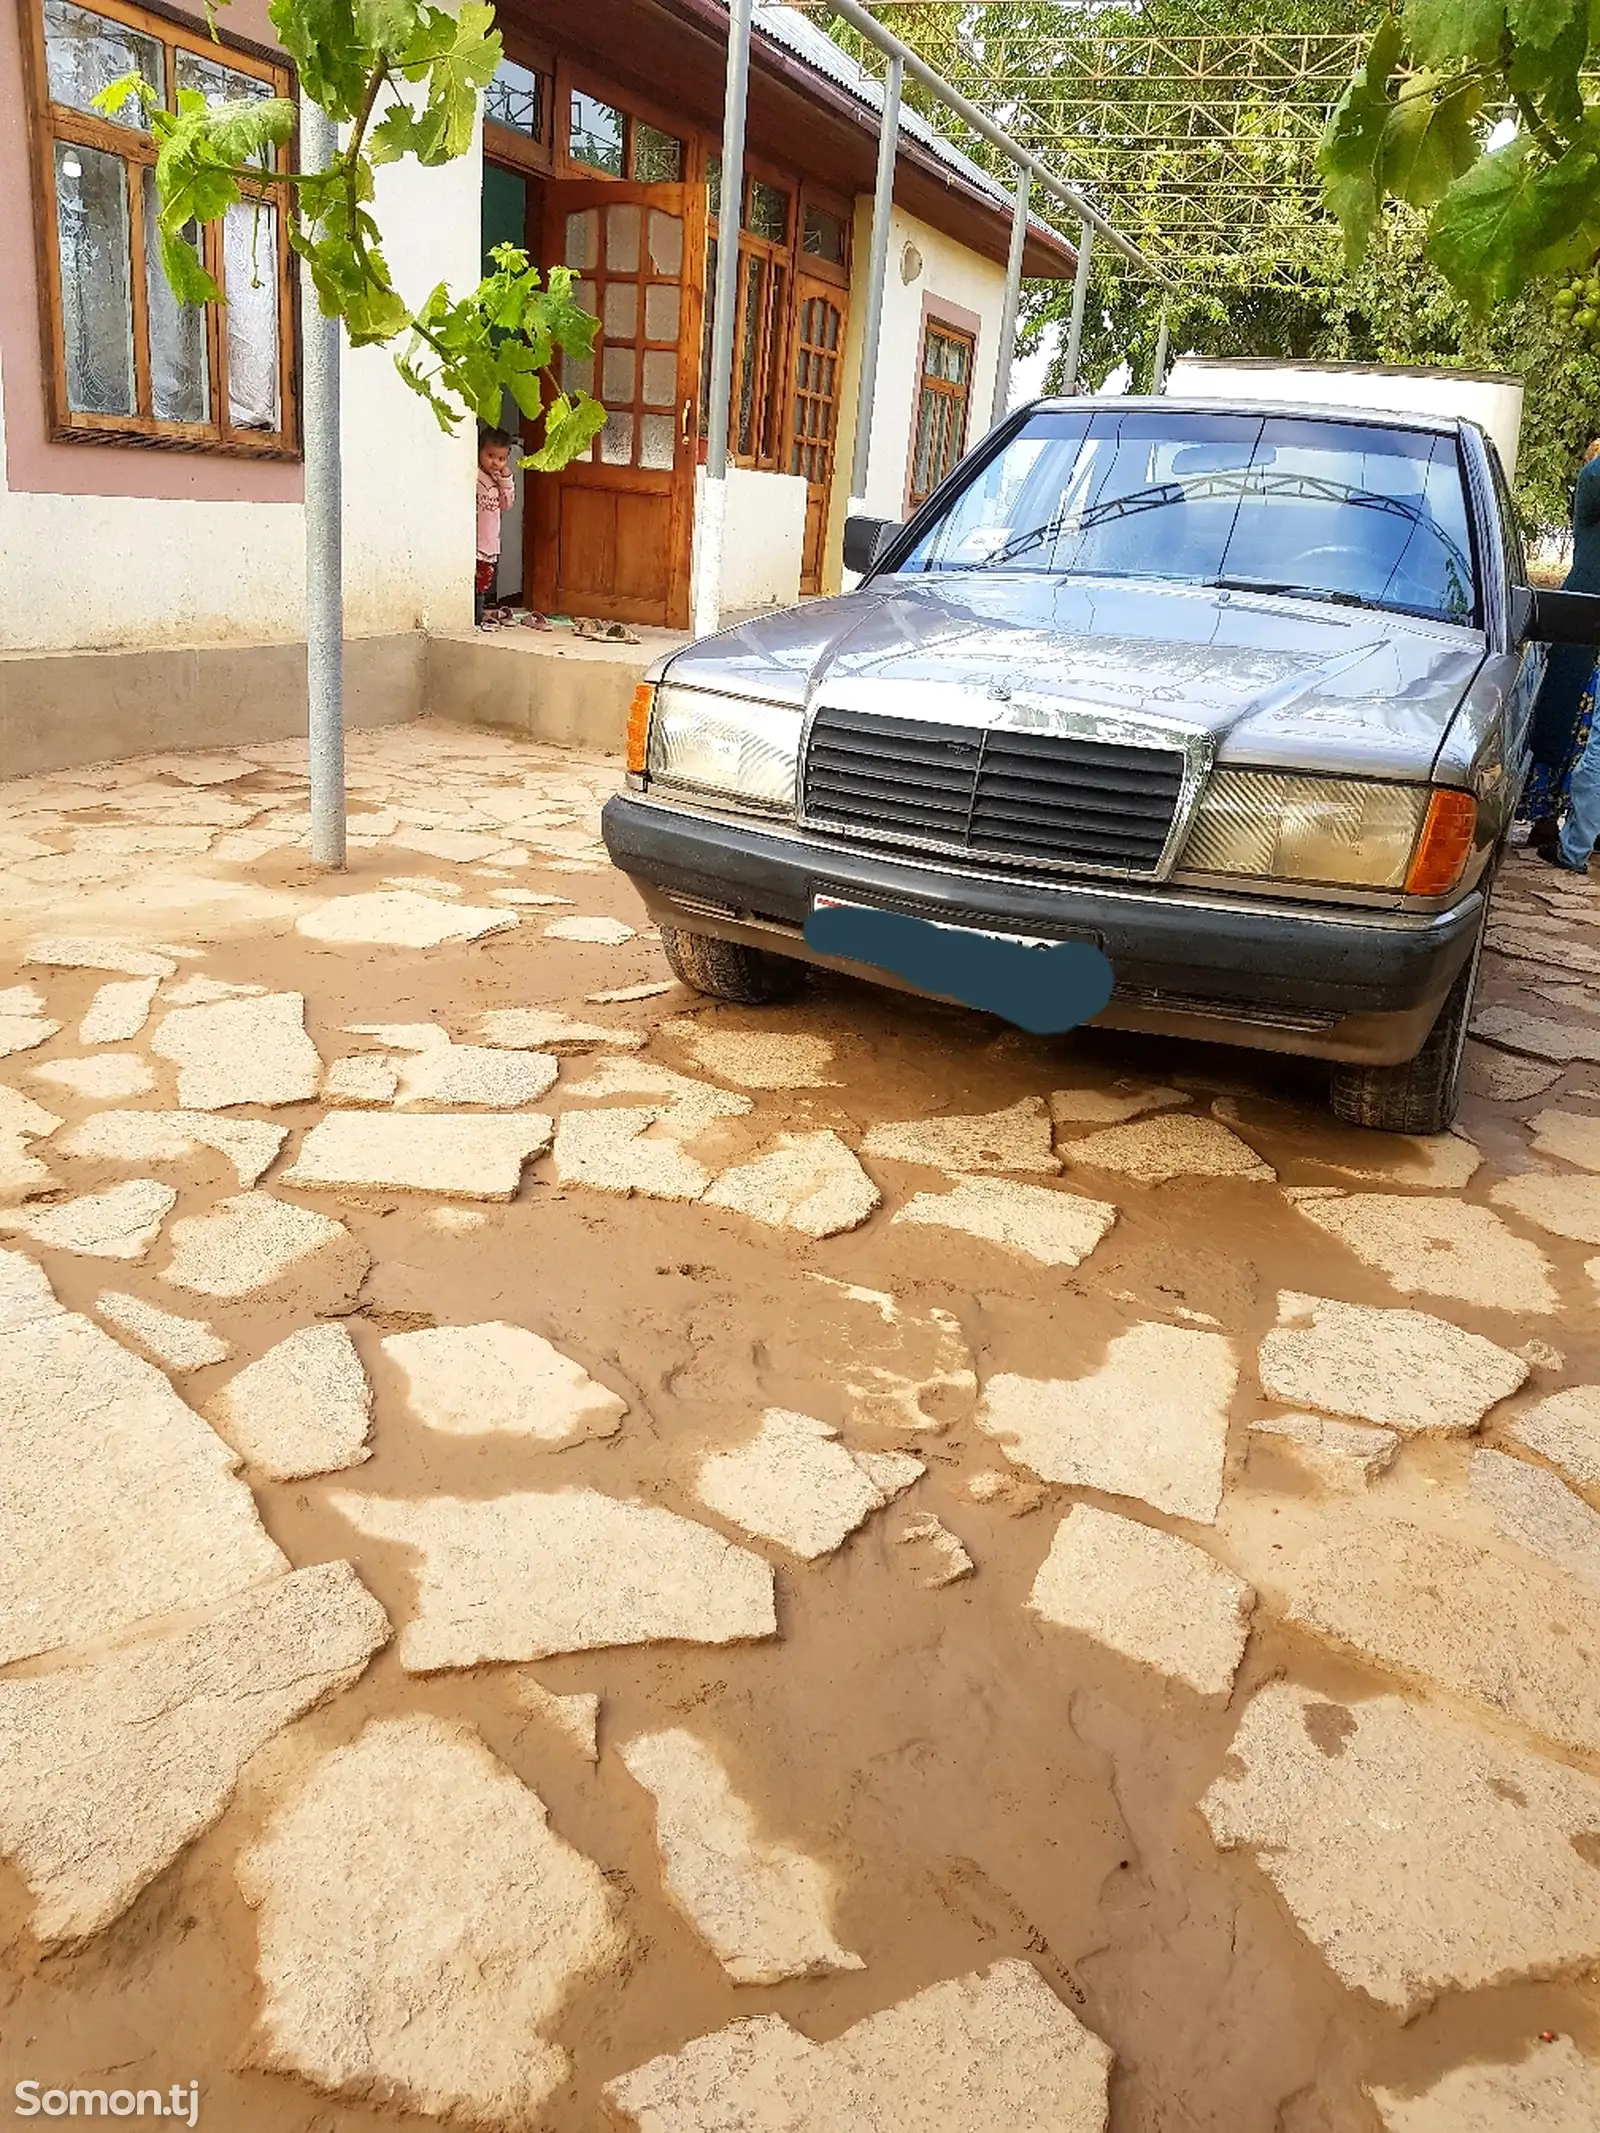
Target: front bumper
[[1364, 987]]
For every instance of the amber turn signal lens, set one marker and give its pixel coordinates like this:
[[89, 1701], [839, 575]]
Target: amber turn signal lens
[[1445, 842], [644, 697]]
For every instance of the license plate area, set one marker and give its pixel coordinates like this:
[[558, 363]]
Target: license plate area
[[823, 902]]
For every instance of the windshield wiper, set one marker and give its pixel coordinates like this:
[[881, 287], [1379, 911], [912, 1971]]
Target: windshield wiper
[[1295, 592]]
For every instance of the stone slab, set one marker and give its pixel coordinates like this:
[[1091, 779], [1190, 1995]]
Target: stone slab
[[756, 1058], [304, 1407], [1113, 1106], [492, 1378], [1404, 1370], [1505, 1078], [102, 1079], [992, 2052], [1534, 1507], [1553, 2090], [116, 1501], [529, 1575], [399, 918], [1418, 1853], [608, 1151], [1032, 1221], [809, 1182], [176, 1343], [421, 1927], [477, 1157], [687, 1107], [366, 1080], [1440, 1247], [19, 1114], [1518, 1031], [1567, 1206], [1151, 1422], [596, 932], [250, 1144], [575, 1718], [796, 1484], [763, 1908], [1347, 1455], [1571, 1136], [1148, 1595], [109, 1767], [251, 1051], [24, 1025], [1014, 1139], [1565, 1428], [118, 1011], [1444, 1610], [201, 991], [938, 1557], [476, 1074], [1155, 1150], [256, 1241], [25, 1292], [547, 1029], [76, 951], [121, 1223]]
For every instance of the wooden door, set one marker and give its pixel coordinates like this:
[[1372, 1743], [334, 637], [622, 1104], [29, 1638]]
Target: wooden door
[[613, 530], [813, 428]]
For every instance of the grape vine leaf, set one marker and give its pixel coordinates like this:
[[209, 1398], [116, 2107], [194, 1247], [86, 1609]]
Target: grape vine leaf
[[1515, 215], [1352, 147]]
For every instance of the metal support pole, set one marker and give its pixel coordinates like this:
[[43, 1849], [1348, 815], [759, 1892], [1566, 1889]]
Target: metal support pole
[[1080, 304], [1013, 297], [319, 415], [714, 505], [1158, 374], [872, 318]]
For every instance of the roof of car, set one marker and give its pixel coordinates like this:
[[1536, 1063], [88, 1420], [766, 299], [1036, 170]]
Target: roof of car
[[1198, 404]]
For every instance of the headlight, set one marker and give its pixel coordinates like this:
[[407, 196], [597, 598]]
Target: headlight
[[717, 744], [1337, 830]]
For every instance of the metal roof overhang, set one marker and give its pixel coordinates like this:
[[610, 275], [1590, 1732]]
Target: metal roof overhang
[[674, 54]]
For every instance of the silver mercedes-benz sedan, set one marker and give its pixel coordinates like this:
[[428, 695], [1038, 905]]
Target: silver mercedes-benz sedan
[[1238, 694]]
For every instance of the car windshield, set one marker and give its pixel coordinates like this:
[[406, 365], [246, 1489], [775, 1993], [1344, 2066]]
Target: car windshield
[[1358, 515]]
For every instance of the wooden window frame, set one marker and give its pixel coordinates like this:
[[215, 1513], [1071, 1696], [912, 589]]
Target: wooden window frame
[[775, 333], [953, 323], [633, 110], [810, 263], [51, 123], [504, 144]]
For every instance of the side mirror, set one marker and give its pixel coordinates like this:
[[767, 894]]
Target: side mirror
[[865, 539], [1562, 618]]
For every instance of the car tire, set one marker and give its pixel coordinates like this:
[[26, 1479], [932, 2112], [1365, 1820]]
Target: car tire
[[1420, 1095], [728, 970]]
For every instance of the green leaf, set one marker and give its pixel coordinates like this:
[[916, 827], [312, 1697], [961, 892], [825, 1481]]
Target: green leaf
[[127, 88], [1543, 23], [459, 56], [1429, 140], [1351, 153], [1442, 33], [1513, 216], [333, 60], [186, 277], [570, 427], [386, 26]]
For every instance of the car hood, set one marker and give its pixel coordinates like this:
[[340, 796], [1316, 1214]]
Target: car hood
[[1291, 683]]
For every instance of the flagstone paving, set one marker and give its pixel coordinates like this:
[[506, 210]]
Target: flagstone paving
[[839, 1483]]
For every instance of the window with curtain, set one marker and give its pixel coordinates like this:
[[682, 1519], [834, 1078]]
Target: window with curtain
[[127, 360]]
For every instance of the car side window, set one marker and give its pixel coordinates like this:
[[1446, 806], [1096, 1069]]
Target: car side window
[[1511, 530]]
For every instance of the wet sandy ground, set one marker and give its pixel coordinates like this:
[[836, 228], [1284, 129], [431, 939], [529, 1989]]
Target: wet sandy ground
[[978, 1783]]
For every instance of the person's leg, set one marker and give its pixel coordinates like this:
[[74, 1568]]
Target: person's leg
[[1581, 826]]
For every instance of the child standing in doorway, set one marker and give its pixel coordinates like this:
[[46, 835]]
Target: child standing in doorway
[[495, 495]]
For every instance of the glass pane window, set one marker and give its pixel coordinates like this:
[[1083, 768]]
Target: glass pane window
[[823, 236], [616, 441], [180, 371], [622, 238], [755, 273], [621, 315], [85, 53], [515, 100], [660, 378], [96, 279], [657, 157], [657, 435], [250, 265], [662, 311], [618, 371], [595, 133], [767, 212], [714, 185], [666, 243]]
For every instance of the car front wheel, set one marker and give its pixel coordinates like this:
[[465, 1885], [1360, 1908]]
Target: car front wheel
[[1420, 1095], [728, 970]]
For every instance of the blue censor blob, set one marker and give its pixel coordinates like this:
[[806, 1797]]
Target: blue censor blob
[[1045, 990]]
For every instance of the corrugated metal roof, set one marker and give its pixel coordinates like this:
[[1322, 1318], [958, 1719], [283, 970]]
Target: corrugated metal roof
[[800, 36]]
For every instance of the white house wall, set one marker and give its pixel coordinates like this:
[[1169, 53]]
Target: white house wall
[[951, 275], [102, 572]]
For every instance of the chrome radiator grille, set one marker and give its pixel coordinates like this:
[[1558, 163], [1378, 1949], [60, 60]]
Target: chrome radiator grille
[[1022, 797]]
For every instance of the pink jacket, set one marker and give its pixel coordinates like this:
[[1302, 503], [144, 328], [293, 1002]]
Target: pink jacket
[[493, 498]]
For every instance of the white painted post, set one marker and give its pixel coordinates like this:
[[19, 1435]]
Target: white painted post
[[714, 500], [877, 268], [1158, 374], [319, 415], [1080, 304], [1013, 297]]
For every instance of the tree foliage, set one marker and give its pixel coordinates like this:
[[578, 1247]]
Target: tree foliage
[[1413, 127], [402, 78]]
